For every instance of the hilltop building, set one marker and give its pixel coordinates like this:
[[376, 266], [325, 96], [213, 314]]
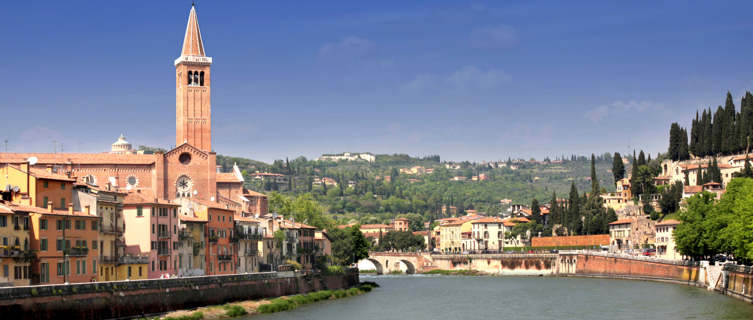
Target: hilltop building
[[348, 156]]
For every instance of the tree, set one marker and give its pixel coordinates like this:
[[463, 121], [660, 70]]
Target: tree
[[348, 245], [595, 190], [535, 211], [692, 235], [618, 168], [401, 241], [670, 199]]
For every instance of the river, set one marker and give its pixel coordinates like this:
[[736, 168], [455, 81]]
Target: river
[[457, 297]]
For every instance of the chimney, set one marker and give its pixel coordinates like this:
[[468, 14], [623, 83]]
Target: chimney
[[70, 207], [49, 206], [219, 169], [87, 209], [49, 168]]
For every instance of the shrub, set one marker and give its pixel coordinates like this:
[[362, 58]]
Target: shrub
[[332, 270], [234, 311], [294, 264]]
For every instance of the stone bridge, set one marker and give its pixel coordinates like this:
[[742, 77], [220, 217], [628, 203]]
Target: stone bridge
[[387, 262]]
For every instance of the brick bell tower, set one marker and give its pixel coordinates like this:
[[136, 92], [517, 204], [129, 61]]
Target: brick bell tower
[[193, 111]]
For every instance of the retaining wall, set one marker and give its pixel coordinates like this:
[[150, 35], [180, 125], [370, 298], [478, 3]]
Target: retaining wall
[[103, 300], [501, 264]]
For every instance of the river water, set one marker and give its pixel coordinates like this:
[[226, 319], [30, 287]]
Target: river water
[[457, 297]]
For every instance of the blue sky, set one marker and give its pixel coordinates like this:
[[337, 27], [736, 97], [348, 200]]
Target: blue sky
[[466, 80]]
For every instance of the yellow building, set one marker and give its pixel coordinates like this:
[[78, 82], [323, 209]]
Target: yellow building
[[619, 235], [15, 251], [132, 268]]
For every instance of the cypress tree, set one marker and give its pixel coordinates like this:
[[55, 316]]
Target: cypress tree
[[708, 134], [693, 148], [641, 159], [673, 151], [535, 211], [729, 134], [719, 126], [618, 168], [594, 180], [683, 152]]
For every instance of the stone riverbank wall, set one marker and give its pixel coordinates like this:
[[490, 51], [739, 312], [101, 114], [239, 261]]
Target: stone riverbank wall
[[501, 264], [119, 299]]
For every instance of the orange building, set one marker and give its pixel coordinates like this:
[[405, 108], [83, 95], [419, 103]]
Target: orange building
[[221, 253], [152, 230]]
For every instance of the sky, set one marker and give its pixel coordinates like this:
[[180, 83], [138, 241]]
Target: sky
[[466, 80]]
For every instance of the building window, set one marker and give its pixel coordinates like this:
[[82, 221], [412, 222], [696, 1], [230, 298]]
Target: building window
[[45, 183], [152, 228], [139, 211], [44, 273], [129, 271], [83, 266], [62, 203], [95, 225], [43, 244], [3, 221], [94, 266], [62, 186], [94, 244], [139, 271], [43, 224], [152, 265], [61, 270], [45, 201]]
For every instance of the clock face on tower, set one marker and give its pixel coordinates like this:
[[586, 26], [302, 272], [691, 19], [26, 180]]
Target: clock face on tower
[[184, 184]]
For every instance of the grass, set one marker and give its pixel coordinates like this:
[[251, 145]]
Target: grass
[[454, 272], [292, 302], [333, 270], [367, 271], [234, 310], [193, 316]]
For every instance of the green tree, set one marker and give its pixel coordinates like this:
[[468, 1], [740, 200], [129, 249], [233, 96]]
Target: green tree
[[618, 168], [692, 236], [348, 245]]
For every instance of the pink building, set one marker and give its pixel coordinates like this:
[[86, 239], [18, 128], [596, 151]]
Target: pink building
[[151, 229]]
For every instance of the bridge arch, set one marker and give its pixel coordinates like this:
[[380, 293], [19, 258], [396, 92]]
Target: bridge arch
[[409, 267]]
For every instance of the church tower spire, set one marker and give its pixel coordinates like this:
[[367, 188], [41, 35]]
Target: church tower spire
[[193, 117]]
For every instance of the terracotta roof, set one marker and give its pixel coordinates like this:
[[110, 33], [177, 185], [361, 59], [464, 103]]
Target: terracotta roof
[[669, 222], [43, 174], [692, 189], [227, 177], [622, 221], [210, 204], [488, 220], [585, 240], [80, 158], [303, 226], [712, 183], [4, 209], [191, 218], [421, 233], [246, 219], [402, 219], [30, 209], [247, 192], [662, 178], [375, 226]]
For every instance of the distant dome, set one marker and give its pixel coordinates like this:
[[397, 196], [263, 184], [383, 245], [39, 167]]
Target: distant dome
[[121, 146]]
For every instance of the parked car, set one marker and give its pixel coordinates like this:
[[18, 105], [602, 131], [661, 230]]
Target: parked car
[[649, 252]]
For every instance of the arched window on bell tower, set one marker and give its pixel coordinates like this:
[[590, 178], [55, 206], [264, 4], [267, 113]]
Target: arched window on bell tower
[[190, 75], [201, 78], [196, 78]]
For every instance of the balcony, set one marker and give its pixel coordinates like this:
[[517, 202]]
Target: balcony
[[184, 235], [77, 251], [250, 252], [17, 254], [120, 243], [242, 234], [225, 257], [163, 234], [111, 229], [213, 238], [108, 260], [163, 252]]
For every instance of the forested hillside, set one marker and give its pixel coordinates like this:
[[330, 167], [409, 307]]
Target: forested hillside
[[377, 191]]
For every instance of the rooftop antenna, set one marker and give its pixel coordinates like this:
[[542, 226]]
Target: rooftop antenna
[[6, 145], [54, 146]]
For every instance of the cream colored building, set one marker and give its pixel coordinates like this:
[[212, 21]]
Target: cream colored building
[[665, 240], [488, 234], [619, 235], [15, 250]]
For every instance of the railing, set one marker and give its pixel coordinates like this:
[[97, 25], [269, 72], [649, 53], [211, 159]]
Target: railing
[[17, 254], [163, 234], [242, 234], [213, 239], [224, 257], [250, 252], [108, 260], [77, 251], [120, 243], [163, 252]]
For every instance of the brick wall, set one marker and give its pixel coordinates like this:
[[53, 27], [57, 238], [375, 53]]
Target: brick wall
[[571, 241]]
